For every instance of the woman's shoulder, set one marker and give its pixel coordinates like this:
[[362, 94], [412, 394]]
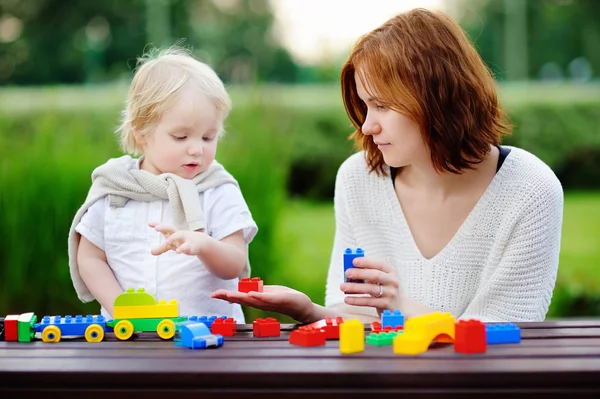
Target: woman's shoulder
[[528, 174], [354, 166]]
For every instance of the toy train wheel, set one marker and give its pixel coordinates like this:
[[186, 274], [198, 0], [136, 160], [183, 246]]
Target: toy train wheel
[[166, 329], [123, 330], [51, 334], [94, 333]]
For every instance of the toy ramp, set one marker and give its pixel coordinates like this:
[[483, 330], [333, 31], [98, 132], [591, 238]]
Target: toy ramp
[[420, 331]]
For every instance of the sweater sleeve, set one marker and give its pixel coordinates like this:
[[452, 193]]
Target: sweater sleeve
[[520, 287], [343, 238]]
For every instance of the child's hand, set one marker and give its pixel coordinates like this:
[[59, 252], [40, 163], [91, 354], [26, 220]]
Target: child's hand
[[180, 241]]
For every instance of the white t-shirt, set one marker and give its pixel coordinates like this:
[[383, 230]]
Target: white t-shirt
[[124, 235]]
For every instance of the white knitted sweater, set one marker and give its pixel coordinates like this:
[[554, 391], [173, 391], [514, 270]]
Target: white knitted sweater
[[500, 266]]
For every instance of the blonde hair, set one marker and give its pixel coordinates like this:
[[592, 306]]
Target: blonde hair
[[159, 76]]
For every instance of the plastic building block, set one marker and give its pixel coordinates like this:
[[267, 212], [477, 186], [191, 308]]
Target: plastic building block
[[377, 328], [53, 328], [502, 333], [392, 320], [307, 336], [1, 328], [349, 256], [268, 327], [330, 325], [25, 331], [382, 339], [205, 319], [196, 335], [141, 305], [420, 331], [470, 337], [226, 328], [247, 284], [352, 336], [11, 330]]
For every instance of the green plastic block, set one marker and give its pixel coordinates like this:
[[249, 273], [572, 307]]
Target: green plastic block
[[382, 339], [25, 326], [135, 298]]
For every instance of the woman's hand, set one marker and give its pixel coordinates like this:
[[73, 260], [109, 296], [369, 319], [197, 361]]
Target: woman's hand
[[274, 298], [381, 284]]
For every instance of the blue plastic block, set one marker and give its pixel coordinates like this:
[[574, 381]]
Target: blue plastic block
[[393, 320], [70, 325], [502, 333], [196, 335], [206, 319], [348, 258]]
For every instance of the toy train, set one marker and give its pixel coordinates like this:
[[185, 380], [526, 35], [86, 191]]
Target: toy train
[[134, 311]]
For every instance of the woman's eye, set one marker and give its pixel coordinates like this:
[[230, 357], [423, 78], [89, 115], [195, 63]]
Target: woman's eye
[[380, 107]]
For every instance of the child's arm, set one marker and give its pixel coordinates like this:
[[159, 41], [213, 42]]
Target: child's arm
[[224, 258], [97, 275]]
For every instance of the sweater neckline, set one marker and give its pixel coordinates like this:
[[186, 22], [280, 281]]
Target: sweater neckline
[[467, 224]]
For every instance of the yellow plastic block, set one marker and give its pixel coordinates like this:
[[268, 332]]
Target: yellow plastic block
[[160, 310], [352, 336], [420, 331]]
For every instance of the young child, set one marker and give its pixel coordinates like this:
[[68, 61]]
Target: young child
[[172, 221]]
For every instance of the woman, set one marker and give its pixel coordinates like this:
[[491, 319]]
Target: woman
[[448, 218]]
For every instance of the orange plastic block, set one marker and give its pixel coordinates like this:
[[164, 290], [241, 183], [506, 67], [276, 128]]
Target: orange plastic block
[[307, 336], [268, 327], [247, 284], [470, 337], [11, 329], [226, 328]]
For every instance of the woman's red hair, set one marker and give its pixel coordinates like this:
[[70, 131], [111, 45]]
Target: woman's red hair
[[422, 64]]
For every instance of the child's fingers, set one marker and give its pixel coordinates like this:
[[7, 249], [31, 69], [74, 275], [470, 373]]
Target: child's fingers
[[165, 229], [161, 249]]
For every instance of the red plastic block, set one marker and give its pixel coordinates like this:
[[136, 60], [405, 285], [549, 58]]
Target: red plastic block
[[268, 327], [226, 328], [376, 328], [470, 337], [307, 336], [248, 284], [11, 329]]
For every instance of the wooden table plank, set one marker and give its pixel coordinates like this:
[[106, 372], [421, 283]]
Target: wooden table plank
[[553, 357]]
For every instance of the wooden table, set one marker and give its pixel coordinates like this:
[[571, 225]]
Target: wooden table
[[554, 357]]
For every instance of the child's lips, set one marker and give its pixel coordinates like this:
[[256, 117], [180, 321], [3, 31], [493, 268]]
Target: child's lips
[[191, 166]]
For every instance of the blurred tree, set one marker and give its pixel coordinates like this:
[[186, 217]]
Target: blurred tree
[[534, 38], [235, 36], [54, 41], [68, 42]]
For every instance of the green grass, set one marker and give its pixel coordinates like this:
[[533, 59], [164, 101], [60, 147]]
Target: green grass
[[306, 237], [580, 247]]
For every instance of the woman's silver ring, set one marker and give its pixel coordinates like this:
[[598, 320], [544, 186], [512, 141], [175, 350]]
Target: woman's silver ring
[[380, 292]]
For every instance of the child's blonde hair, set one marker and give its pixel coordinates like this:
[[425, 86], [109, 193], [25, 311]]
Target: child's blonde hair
[[159, 76]]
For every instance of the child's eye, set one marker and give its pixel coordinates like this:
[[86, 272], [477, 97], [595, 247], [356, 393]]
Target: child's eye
[[180, 138], [208, 138], [380, 107]]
